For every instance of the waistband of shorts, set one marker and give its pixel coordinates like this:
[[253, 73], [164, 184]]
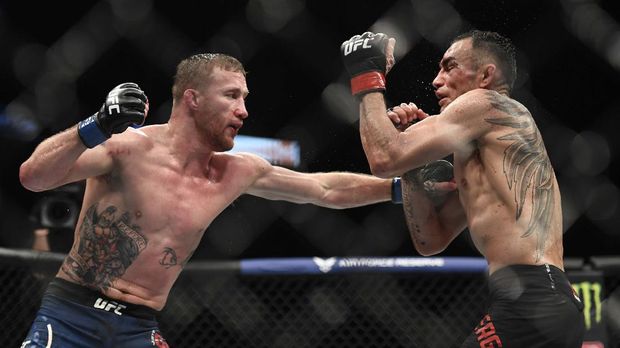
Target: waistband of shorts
[[530, 276], [94, 299]]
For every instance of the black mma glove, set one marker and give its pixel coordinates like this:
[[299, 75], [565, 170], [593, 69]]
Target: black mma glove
[[125, 105], [365, 60], [436, 171]]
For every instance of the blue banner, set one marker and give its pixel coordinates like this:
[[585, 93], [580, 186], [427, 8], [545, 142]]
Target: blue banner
[[317, 265]]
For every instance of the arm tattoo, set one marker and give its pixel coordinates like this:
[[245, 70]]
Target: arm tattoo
[[410, 185], [109, 244], [526, 166]]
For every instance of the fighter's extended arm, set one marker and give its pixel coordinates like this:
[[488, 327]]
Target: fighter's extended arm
[[337, 190]]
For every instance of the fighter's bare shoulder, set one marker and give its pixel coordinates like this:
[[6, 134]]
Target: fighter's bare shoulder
[[475, 100], [247, 167], [249, 160], [137, 136], [482, 102], [493, 100]]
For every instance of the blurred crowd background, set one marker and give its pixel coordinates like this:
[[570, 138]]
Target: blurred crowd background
[[59, 60]]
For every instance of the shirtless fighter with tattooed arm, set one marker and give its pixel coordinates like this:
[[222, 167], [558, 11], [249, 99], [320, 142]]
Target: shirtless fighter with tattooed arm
[[150, 194], [505, 190]]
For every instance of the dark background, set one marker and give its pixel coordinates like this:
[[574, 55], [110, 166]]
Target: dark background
[[58, 61]]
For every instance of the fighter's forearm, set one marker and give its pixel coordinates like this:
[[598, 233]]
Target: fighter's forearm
[[378, 135], [51, 161], [347, 190], [421, 219], [432, 223]]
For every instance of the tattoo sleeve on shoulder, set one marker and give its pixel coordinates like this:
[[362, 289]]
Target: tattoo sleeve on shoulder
[[109, 243], [526, 166]]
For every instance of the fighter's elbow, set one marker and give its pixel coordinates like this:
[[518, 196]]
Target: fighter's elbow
[[386, 163], [377, 170], [28, 178], [382, 168], [428, 247], [426, 251]]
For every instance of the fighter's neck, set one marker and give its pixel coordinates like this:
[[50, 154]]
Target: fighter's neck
[[185, 146]]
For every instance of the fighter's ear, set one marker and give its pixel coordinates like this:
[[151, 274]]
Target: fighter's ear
[[190, 97], [489, 75]]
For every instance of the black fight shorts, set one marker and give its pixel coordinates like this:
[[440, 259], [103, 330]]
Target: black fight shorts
[[530, 306]]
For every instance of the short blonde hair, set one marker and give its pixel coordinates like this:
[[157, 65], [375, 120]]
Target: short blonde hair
[[193, 71]]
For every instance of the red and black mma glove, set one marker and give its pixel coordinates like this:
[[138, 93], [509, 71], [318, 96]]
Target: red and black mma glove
[[125, 105], [365, 60]]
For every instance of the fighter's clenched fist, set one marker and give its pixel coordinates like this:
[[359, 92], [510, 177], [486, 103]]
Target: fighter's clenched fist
[[405, 114], [368, 57], [125, 105]]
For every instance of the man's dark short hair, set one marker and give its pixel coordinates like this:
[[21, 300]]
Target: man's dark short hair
[[498, 46]]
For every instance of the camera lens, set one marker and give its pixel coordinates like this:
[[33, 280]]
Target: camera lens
[[58, 212]]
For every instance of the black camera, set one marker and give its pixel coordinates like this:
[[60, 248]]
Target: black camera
[[58, 211], [59, 208]]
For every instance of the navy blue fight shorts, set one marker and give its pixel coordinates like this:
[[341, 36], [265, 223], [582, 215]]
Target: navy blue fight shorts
[[73, 316], [530, 306]]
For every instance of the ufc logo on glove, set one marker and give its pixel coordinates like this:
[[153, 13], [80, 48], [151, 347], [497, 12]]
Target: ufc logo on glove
[[351, 46], [113, 104], [365, 60], [115, 108]]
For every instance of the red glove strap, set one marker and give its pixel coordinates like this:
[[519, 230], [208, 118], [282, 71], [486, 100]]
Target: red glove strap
[[367, 82]]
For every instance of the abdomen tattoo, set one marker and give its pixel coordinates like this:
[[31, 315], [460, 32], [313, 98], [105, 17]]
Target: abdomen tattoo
[[109, 244], [526, 166]]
